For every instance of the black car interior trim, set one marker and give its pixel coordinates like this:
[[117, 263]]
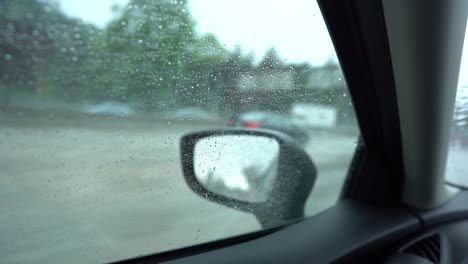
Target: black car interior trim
[[357, 29]]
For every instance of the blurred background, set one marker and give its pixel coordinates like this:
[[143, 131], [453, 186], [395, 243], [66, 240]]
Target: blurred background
[[150, 59], [95, 95]]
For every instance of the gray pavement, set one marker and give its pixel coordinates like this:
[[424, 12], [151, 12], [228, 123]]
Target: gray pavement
[[89, 190]]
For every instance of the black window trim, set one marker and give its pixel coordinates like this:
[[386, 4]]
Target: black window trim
[[358, 31]]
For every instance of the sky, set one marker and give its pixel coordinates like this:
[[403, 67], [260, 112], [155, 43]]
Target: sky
[[294, 27]]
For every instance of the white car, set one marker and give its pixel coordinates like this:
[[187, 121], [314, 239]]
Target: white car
[[190, 113], [111, 108]]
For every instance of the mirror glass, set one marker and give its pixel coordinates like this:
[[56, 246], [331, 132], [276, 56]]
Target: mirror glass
[[242, 167]]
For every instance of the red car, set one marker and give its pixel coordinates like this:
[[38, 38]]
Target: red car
[[270, 120]]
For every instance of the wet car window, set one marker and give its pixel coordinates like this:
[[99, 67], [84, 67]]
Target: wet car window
[[96, 95], [457, 169]]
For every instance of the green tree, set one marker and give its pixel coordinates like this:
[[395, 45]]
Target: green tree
[[42, 51], [271, 60], [23, 45], [208, 56], [148, 50]]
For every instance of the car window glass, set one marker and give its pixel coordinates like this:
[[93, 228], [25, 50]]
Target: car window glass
[[457, 168], [96, 95]]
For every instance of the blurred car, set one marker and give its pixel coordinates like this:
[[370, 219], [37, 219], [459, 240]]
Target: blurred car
[[269, 120], [111, 108], [190, 113]]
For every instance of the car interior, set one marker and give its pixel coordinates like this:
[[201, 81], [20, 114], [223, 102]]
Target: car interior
[[401, 61], [115, 142]]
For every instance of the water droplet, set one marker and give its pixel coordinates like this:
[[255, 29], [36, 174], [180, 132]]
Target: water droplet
[[8, 57]]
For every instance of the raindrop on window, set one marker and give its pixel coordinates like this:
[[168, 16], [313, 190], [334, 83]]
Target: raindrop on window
[[8, 57], [11, 26]]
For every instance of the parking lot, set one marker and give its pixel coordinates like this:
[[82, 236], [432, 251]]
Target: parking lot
[[102, 189]]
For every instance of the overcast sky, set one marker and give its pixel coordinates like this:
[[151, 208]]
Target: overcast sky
[[294, 27]]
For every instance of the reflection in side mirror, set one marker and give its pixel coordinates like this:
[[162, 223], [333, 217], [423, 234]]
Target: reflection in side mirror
[[243, 167], [258, 171]]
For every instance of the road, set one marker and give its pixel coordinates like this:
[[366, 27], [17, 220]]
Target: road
[[93, 190]]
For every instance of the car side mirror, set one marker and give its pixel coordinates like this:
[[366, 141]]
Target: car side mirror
[[258, 171]]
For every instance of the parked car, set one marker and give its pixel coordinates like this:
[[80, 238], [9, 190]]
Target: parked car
[[190, 113], [111, 108], [269, 120]]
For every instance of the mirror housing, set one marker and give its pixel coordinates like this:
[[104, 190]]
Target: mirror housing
[[295, 178]]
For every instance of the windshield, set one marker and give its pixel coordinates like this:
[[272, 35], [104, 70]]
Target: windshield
[[95, 97], [457, 167]]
